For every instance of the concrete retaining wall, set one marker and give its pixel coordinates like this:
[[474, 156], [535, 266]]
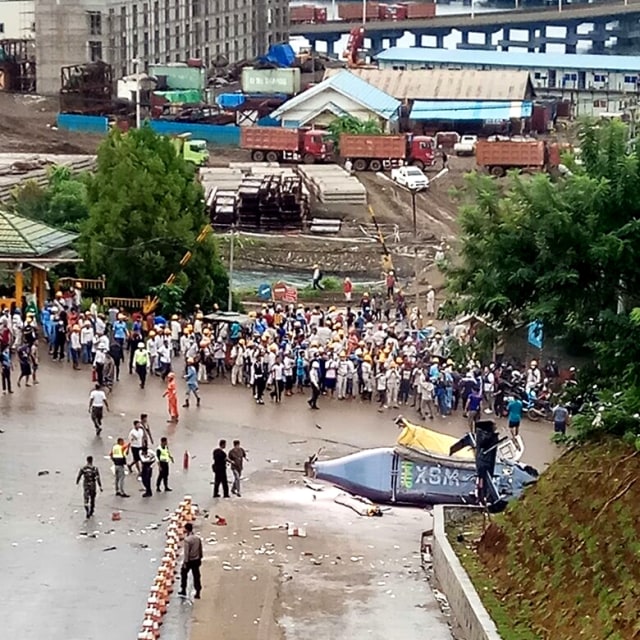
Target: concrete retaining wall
[[466, 608]]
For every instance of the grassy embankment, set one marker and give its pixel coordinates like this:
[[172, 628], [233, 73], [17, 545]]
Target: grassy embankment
[[563, 563]]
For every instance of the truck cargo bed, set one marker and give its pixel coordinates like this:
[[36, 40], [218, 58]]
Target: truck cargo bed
[[381, 147], [510, 153], [269, 138]]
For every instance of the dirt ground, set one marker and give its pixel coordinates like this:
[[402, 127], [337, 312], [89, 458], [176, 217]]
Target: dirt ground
[[340, 581], [28, 125]]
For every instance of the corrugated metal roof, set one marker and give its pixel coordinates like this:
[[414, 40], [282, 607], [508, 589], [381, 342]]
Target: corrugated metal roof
[[460, 110], [446, 84], [23, 238], [584, 62], [351, 86]]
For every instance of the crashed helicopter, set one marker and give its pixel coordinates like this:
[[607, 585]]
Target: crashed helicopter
[[426, 467]]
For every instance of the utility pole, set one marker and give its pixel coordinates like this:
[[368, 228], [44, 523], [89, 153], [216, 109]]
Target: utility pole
[[138, 111], [413, 210], [230, 298]]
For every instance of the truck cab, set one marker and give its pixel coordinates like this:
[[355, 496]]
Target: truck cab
[[194, 151], [316, 145], [421, 151]]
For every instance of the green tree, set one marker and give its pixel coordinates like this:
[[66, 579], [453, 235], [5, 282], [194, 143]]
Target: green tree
[[146, 211], [565, 252], [350, 124], [62, 203]]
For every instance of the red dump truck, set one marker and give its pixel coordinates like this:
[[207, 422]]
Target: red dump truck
[[376, 152], [498, 156], [276, 144]]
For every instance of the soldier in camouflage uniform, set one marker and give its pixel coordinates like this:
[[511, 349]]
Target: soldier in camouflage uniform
[[90, 480]]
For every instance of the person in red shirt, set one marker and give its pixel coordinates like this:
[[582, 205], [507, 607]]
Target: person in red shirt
[[347, 287]]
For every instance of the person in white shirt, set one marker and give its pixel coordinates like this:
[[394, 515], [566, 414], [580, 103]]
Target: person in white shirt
[[237, 359], [277, 375], [98, 364], [137, 439], [152, 350], [86, 341], [164, 359], [97, 403], [75, 345], [175, 335]]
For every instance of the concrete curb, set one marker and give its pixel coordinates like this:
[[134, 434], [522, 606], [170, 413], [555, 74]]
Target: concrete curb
[[466, 606]]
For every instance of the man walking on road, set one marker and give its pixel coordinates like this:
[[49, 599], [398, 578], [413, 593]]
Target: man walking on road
[[90, 479], [141, 359], [192, 382], [219, 467], [97, 403], [164, 458], [137, 438], [237, 456], [314, 379], [191, 561], [119, 459]]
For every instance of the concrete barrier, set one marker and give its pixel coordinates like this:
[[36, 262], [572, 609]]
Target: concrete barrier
[[466, 607]]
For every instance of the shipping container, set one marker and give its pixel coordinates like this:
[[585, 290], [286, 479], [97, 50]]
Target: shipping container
[[372, 146], [417, 10], [286, 81], [302, 14], [353, 12], [178, 76], [392, 12], [540, 118], [320, 15], [499, 156], [269, 138]]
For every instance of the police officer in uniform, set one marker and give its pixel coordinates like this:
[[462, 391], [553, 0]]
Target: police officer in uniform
[[147, 459], [90, 480]]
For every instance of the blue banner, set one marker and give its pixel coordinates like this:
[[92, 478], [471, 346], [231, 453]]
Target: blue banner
[[535, 334]]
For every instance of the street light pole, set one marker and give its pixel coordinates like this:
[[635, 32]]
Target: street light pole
[[413, 209], [230, 298], [138, 114]]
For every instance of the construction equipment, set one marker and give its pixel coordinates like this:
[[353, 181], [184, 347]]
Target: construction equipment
[[376, 152], [191, 150], [498, 156], [87, 88], [152, 303], [275, 144], [387, 261], [354, 52], [18, 65]]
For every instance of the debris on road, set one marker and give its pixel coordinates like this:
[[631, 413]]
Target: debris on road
[[110, 548], [45, 472], [116, 515], [270, 527], [220, 521], [297, 441], [296, 532], [358, 505], [314, 486], [318, 426]]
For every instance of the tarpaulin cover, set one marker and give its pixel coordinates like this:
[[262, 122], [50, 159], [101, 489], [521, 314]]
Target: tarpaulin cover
[[427, 441], [230, 100], [281, 54], [470, 110], [180, 97]]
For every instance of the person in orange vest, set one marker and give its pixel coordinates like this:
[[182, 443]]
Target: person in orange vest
[[171, 394]]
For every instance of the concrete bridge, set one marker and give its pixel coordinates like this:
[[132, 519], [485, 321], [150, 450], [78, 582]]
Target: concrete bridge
[[609, 18]]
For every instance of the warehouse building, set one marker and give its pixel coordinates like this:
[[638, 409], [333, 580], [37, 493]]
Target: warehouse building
[[593, 84], [341, 94], [459, 98], [118, 32]]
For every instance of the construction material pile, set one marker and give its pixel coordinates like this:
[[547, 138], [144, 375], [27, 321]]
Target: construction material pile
[[331, 184], [255, 197]]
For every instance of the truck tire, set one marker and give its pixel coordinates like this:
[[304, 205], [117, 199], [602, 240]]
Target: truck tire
[[375, 165], [257, 155], [417, 163], [359, 164], [272, 156], [498, 172], [308, 158]]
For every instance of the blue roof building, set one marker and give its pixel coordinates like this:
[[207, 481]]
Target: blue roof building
[[341, 94], [592, 83]]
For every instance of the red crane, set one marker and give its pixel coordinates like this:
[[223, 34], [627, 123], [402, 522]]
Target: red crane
[[355, 44]]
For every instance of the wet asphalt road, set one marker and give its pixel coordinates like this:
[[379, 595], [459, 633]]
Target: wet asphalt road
[[62, 585]]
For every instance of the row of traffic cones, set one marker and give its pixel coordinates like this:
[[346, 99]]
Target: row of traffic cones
[[162, 588]]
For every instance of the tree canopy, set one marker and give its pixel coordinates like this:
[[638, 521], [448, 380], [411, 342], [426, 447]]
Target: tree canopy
[[564, 252], [145, 212], [62, 203], [353, 125]]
